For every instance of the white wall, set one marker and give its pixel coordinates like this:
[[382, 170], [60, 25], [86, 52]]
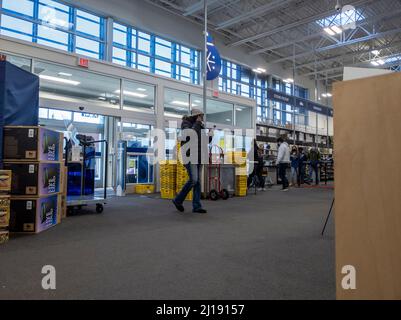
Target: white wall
[[151, 18]]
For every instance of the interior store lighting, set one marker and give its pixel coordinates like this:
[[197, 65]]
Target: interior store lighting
[[59, 80], [259, 70], [132, 94], [180, 103], [329, 31], [337, 29], [65, 74], [289, 80]]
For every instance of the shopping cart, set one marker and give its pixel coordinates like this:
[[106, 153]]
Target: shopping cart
[[216, 159]]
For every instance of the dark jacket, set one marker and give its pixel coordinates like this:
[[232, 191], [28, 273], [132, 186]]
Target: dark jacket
[[191, 123], [294, 160], [314, 156]]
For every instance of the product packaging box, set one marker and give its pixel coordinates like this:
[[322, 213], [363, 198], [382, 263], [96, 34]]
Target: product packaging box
[[3, 236], [32, 144], [4, 211], [5, 180], [33, 215], [34, 179]]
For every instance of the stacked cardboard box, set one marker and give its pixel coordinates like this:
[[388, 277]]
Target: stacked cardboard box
[[5, 187], [34, 155]]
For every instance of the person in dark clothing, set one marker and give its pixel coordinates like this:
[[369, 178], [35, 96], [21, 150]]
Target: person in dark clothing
[[302, 159], [314, 159], [257, 166], [294, 157], [193, 167]]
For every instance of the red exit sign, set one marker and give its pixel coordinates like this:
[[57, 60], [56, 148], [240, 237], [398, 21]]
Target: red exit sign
[[83, 62]]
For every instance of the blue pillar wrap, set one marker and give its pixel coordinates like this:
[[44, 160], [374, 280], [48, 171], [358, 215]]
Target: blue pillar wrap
[[19, 98]]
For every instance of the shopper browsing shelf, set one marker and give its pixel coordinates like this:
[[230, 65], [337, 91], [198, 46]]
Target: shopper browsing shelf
[[314, 159], [302, 159], [283, 161], [294, 157], [256, 177]]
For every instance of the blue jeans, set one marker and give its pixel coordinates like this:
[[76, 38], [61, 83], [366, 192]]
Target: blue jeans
[[192, 183]]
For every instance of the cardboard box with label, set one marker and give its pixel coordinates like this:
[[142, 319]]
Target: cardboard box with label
[[34, 179], [4, 211], [32, 144], [5, 180], [33, 215]]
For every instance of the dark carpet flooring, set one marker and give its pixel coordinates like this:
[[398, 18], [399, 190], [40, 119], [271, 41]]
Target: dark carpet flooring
[[266, 246]]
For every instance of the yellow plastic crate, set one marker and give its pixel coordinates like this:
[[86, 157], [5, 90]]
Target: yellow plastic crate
[[167, 194], [144, 188]]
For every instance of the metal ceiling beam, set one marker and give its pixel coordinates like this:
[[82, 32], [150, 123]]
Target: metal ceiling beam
[[255, 12], [348, 55], [391, 14], [333, 76], [341, 44], [294, 24], [358, 64], [197, 7]]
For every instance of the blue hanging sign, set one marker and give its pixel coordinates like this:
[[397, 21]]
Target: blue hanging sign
[[279, 96], [213, 60]]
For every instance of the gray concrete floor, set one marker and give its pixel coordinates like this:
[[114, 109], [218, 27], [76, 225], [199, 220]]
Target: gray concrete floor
[[266, 246]]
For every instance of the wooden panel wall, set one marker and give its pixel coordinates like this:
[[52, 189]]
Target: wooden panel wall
[[367, 126]]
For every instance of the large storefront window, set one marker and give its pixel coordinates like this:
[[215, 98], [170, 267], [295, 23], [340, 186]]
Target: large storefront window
[[54, 24], [75, 86], [150, 53], [23, 63], [176, 103], [243, 117], [219, 112], [138, 97]]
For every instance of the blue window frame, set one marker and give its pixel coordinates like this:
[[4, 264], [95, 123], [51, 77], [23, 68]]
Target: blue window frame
[[54, 24], [147, 52]]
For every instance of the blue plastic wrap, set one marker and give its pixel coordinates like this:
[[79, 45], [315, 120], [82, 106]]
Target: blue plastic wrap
[[19, 98]]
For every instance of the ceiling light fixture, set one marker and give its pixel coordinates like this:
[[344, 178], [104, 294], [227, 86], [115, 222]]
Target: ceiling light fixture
[[59, 80], [376, 52], [289, 80], [65, 74], [329, 31], [180, 103], [257, 71], [381, 62], [132, 94], [376, 64], [337, 29]]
